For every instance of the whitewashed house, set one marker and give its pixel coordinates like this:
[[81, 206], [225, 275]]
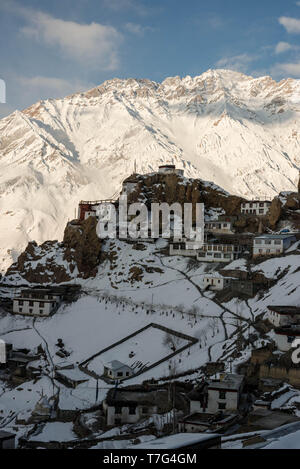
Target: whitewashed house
[[36, 302], [216, 281], [222, 393], [283, 315], [256, 207], [219, 252], [272, 244], [170, 169], [221, 227], [116, 370], [184, 247], [285, 336]]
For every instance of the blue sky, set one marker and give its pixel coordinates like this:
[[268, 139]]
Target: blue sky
[[53, 49]]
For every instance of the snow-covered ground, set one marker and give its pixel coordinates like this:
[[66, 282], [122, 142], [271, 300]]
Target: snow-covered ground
[[113, 305]]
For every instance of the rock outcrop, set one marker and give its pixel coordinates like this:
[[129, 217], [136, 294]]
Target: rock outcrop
[[82, 246]]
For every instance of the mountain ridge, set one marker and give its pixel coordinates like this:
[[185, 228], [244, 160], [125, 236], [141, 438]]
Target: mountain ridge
[[240, 132]]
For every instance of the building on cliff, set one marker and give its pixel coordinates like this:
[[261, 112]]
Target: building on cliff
[[170, 169], [283, 315], [256, 207]]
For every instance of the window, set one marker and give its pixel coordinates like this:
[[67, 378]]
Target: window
[[145, 410], [290, 339], [222, 394], [218, 255], [258, 241], [222, 406], [21, 302], [118, 421], [20, 310], [41, 311], [277, 241], [42, 304], [30, 303], [30, 310], [267, 241], [120, 373], [131, 410], [118, 409], [127, 373]]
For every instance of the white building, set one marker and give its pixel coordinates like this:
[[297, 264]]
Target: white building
[[36, 302], [170, 169], [221, 393], [256, 207], [216, 281], [219, 252], [116, 370], [224, 392], [283, 315], [272, 244], [184, 247], [285, 336], [222, 227]]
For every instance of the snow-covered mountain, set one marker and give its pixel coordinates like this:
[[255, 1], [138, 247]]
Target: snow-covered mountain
[[243, 133]]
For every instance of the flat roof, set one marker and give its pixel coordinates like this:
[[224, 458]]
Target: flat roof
[[275, 236], [179, 440], [229, 381]]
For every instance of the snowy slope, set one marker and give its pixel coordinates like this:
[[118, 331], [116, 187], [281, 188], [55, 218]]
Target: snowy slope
[[240, 132]]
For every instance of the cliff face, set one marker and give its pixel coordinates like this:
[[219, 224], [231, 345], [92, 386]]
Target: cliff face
[[82, 246], [52, 262], [172, 188]]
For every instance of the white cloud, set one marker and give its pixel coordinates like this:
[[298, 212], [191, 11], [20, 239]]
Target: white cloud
[[286, 69], [50, 87], [137, 29], [135, 5], [282, 47], [95, 45], [240, 63], [292, 25]]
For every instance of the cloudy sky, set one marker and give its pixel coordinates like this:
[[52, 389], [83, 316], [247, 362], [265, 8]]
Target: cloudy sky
[[56, 48]]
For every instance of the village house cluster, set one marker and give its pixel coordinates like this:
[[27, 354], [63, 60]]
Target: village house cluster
[[222, 244]]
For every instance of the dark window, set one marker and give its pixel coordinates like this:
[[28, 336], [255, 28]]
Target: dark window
[[144, 410], [222, 395], [118, 409], [131, 410], [42, 304], [30, 303], [118, 421], [222, 405], [21, 302], [120, 373]]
